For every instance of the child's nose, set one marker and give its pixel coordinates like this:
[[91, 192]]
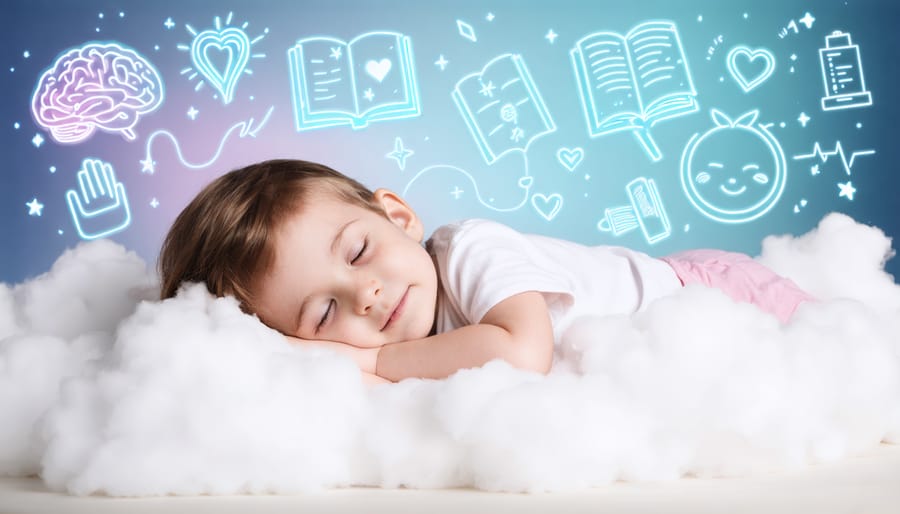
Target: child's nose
[[366, 296]]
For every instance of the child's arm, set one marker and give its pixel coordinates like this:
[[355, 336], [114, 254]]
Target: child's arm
[[517, 330]]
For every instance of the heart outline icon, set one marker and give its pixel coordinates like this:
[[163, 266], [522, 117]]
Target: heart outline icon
[[540, 202], [751, 55], [231, 40], [570, 158], [378, 70]]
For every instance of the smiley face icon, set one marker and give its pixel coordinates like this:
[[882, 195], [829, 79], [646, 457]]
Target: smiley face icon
[[735, 172]]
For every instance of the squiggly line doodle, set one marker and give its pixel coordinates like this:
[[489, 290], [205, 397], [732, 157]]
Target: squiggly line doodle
[[245, 129]]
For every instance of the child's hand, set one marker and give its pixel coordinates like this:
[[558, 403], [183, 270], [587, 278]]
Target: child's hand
[[365, 358]]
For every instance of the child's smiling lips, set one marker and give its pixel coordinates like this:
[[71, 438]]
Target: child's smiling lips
[[397, 312]]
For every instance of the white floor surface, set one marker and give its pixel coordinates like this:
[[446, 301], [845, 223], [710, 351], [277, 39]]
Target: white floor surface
[[867, 484]]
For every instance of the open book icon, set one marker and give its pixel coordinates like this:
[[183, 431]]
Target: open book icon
[[334, 82], [632, 82], [502, 107]]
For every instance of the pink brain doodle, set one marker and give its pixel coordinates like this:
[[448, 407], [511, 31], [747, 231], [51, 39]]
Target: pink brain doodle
[[98, 85]]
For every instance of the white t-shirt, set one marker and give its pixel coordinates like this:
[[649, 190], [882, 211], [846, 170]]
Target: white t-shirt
[[481, 263]]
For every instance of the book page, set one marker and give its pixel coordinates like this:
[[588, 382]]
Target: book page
[[664, 81], [379, 71], [503, 108], [612, 101], [324, 77]]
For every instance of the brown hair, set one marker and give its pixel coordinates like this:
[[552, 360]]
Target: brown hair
[[222, 238]]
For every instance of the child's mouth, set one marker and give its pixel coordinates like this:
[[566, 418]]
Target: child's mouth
[[397, 312]]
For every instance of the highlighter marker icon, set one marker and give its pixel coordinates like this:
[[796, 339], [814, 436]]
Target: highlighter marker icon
[[842, 73]]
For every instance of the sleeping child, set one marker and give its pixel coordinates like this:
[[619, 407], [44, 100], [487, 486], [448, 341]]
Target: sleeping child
[[327, 262]]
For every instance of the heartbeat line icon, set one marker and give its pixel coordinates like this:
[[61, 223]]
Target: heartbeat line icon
[[839, 151]]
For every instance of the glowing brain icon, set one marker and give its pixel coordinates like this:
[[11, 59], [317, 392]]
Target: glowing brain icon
[[97, 85]]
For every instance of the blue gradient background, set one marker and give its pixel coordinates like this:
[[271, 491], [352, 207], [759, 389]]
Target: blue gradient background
[[29, 244]]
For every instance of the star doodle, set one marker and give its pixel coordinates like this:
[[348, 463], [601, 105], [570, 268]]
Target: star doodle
[[147, 166], [551, 36], [192, 113], [369, 94], [399, 153], [34, 207], [803, 119], [457, 192], [37, 140], [847, 190], [154, 203], [488, 89], [807, 20], [441, 62], [169, 23]]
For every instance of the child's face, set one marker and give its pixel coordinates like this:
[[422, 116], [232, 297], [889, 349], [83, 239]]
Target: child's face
[[344, 273]]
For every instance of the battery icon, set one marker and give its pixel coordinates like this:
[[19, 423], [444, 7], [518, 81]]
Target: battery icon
[[842, 73]]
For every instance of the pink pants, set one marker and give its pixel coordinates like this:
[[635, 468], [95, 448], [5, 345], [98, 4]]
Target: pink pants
[[741, 278]]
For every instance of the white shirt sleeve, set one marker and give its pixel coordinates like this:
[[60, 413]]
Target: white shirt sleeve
[[481, 263]]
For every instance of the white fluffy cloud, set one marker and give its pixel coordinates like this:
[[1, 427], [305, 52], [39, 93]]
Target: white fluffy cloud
[[103, 389]]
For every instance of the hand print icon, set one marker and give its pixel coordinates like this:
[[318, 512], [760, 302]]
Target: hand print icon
[[735, 172]]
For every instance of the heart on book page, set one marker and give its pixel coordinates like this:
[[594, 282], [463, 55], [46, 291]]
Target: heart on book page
[[378, 69], [750, 67]]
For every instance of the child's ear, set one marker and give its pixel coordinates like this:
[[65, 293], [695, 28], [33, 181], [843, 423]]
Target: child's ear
[[400, 213]]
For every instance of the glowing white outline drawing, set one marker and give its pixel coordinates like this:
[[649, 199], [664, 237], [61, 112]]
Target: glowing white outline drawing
[[399, 153], [839, 151], [847, 190], [842, 73], [545, 199], [752, 54], [306, 117], [149, 93], [97, 184], [525, 182], [570, 158], [246, 129], [664, 107], [34, 207], [232, 40], [465, 30], [508, 112], [744, 122], [646, 205]]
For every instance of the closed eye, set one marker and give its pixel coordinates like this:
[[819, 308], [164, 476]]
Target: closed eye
[[762, 178], [362, 250], [702, 177], [325, 316]]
